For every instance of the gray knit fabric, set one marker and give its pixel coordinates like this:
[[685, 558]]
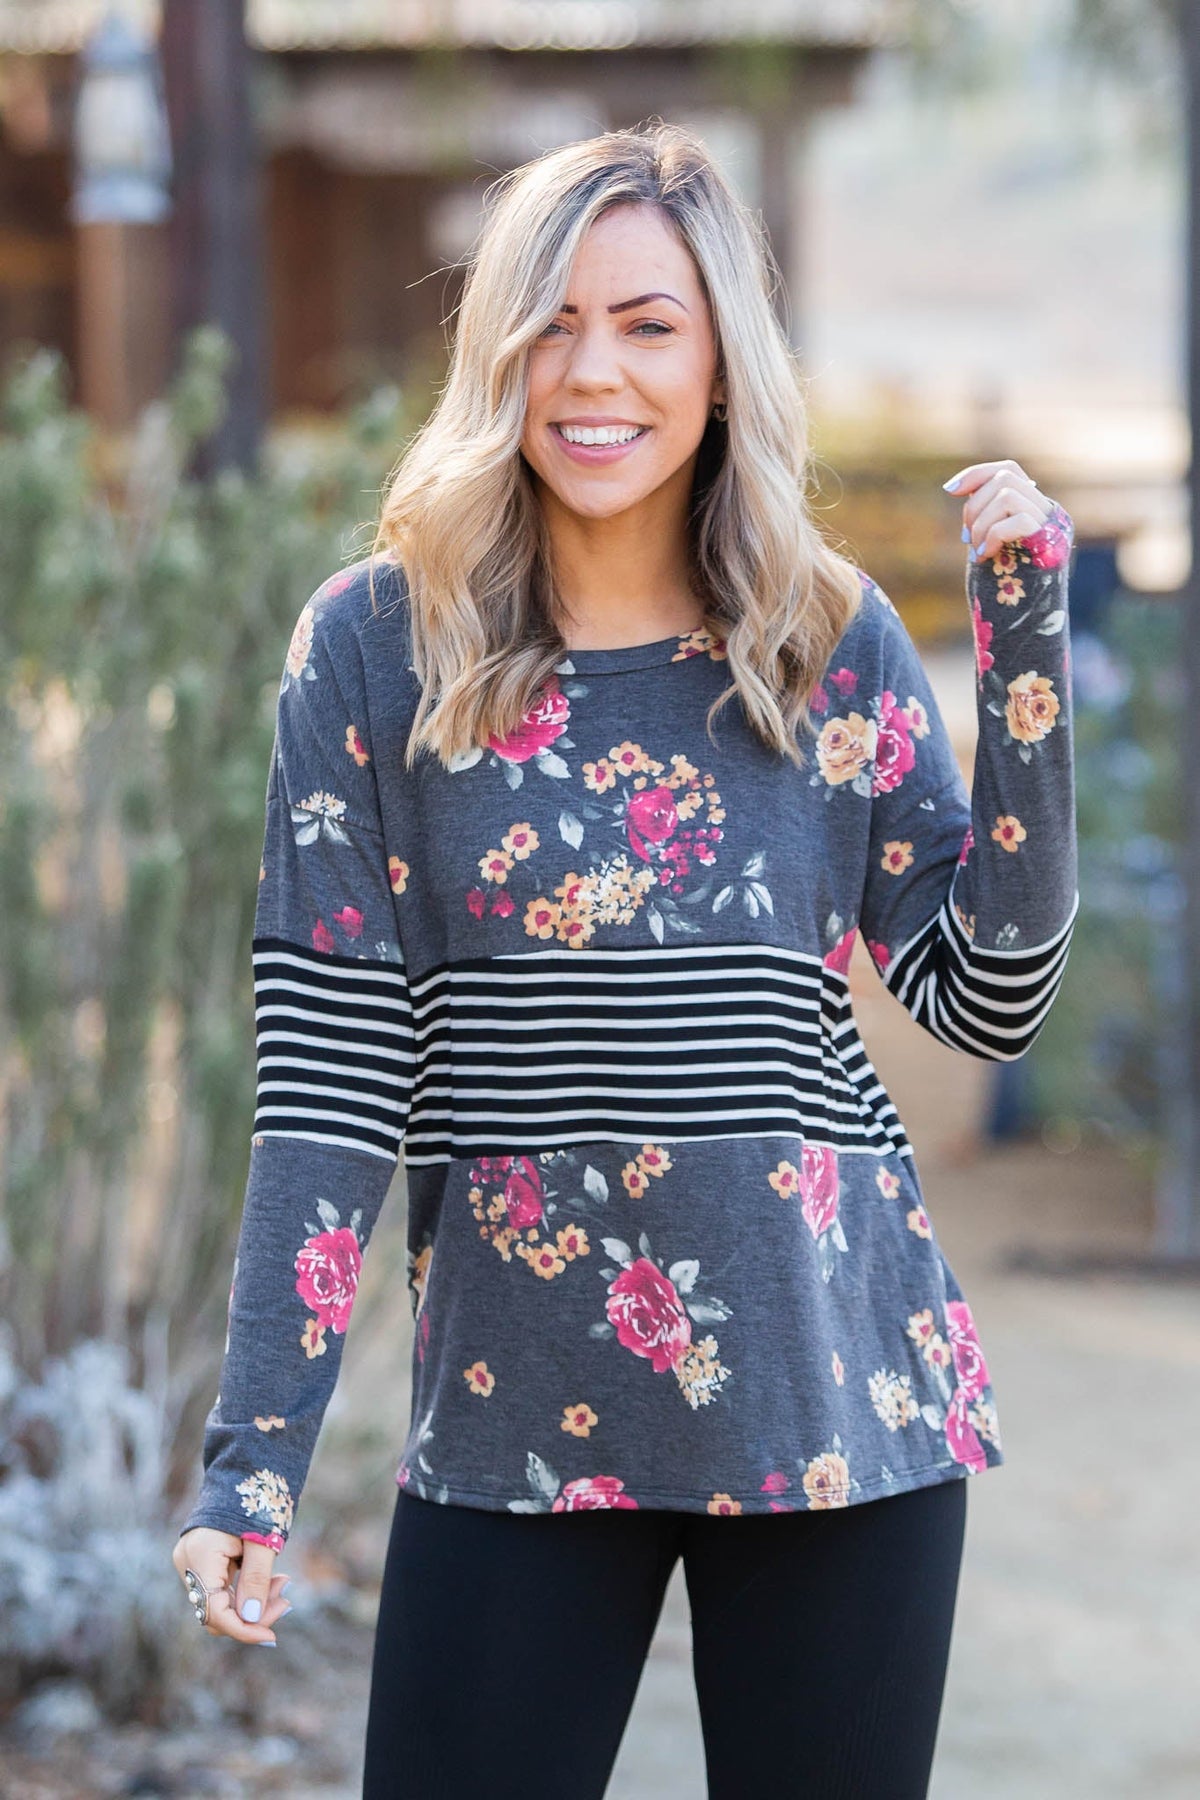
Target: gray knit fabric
[[667, 1242]]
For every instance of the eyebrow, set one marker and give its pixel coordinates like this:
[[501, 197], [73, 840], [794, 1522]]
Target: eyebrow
[[625, 305]]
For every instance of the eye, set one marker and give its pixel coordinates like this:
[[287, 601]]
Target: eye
[[656, 326]]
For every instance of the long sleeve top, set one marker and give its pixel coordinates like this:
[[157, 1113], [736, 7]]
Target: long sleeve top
[[667, 1243]]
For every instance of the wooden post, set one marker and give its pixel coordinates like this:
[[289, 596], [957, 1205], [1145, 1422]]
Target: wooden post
[[218, 231]]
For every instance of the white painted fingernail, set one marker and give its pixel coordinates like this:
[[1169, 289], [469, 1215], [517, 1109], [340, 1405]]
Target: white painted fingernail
[[252, 1609]]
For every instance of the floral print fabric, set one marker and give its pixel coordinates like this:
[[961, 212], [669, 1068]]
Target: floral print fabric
[[667, 1241]]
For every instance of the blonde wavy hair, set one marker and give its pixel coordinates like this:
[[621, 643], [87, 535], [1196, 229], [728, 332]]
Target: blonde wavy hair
[[460, 517]]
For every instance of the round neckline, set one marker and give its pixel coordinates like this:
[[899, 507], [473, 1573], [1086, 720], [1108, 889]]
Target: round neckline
[[681, 646]]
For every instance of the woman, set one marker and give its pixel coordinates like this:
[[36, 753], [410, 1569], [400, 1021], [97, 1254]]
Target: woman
[[670, 1266]]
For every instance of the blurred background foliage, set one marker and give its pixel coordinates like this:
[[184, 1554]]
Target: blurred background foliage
[[144, 615]]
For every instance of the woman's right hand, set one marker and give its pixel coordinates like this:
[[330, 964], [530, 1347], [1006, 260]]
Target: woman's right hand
[[218, 1557]]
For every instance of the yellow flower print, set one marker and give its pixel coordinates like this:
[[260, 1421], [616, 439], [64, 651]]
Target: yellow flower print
[[541, 918], [785, 1179], [398, 874], [702, 639], [301, 643], [521, 840], [578, 1420], [888, 1183], [682, 771], [918, 718], [355, 746], [716, 814], [599, 776], [654, 1159], [827, 1481], [839, 1369], [1008, 831], [845, 747], [313, 1338], [479, 1378], [572, 1241], [897, 856], [271, 1423], [494, 866], [1032, 707], [893, 1398], [724, 1503], [570, 889], [700, 1372], [920, 1325], [967, 922], [937, 1352], [984, 1418], [917, 1220], [266, 1492], [1005, 561], [543, 1259], [635, 1180], [420, 1272], [575, 932], [1009, 590], [629, 758]]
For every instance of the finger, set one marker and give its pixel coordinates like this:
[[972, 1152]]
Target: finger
[[972, 478], [224, 1621], [998, 501], [1010, 530], [254, 1580]]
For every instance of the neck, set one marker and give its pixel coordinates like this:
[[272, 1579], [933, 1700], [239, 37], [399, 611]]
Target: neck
[[622, 579]]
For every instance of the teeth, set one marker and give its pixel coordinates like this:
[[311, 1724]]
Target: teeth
[[600, 434]]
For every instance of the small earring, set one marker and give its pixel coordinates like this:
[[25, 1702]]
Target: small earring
[[721, 410]]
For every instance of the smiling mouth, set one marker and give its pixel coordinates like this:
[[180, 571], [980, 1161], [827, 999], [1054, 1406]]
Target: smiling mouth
[[589, 436]]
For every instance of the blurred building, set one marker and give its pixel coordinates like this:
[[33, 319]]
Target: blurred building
[[382, 122]]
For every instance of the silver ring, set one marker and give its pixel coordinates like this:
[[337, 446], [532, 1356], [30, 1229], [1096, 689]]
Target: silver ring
[[199, 1595]]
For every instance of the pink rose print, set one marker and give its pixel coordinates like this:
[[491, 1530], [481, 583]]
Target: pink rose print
[[350, 920], [649, 1316], [894, 752], [540, 725], [845, 681], [327, 1268], [818, 699], [819, 1186], [776, 1483], [1050, 547], [523, 1194], [983, 640], [962, 1440], [651, 817], [880, 953], [839, 957], [591, 1493], [969, 1363], [322, 937]]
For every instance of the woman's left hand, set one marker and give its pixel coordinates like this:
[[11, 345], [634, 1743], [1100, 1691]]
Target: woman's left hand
[[1005, 506]]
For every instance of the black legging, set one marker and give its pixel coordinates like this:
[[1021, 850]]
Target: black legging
[[509, 1646]]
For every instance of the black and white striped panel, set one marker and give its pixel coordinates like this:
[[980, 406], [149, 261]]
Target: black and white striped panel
[[336, 1049], [851, 1052], [550, 1048], [990, 1003]]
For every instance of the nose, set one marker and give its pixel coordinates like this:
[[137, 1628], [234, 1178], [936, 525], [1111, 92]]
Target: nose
[[594, 364]]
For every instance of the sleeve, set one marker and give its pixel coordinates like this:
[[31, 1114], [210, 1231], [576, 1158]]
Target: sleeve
[[335, 1062], [969, 900]]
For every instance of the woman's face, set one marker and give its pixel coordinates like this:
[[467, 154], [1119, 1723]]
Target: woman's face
[[605, 362]]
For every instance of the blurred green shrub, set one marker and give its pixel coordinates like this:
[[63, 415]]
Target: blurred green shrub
[[144, 616]]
